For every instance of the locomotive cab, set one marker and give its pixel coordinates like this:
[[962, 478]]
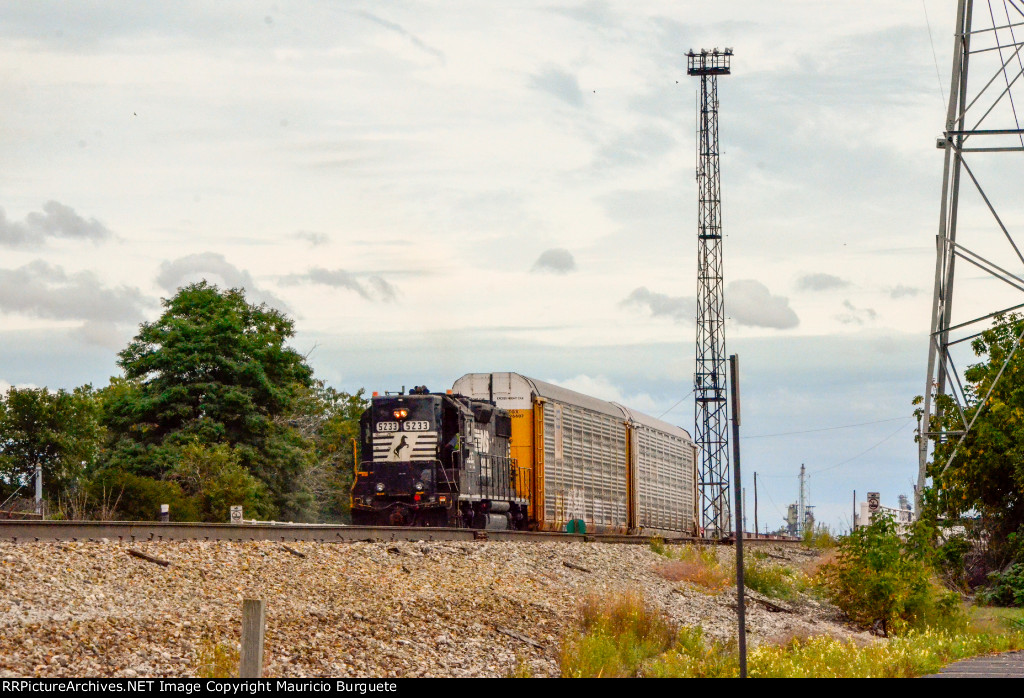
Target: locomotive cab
[[431, 459]]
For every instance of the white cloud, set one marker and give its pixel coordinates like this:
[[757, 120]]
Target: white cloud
[[750, 303], [375, 288], [747, 302], [820, 282], [557, 260], [55, 221], [216, 269], [42, 290]]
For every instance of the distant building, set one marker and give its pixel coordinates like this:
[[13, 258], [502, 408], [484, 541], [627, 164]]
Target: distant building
[[903, 515]]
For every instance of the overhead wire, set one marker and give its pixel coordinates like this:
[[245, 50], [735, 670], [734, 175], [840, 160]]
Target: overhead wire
[[935, 57], [811, 431]]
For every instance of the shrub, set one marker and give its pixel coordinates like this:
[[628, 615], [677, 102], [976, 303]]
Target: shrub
[[880, 582], [139, 498], [1006, 588]]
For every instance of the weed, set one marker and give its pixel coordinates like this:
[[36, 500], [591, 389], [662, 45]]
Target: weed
[[619, 634], [771, 580], [658, 547], [700, 566], [217, 660]]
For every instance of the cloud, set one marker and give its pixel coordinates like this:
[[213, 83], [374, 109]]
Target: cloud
[[559, 83], [556, 260], [901, 291], [55, 221], [375, 288], [636, 146], [216, 269], [820, 282], [680, 309], [603, 388], [314, 239], [747, 302], [42, 290], [399, 29], [855, 315], [750, 303]]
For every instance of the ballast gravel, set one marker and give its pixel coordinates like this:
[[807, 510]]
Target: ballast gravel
[[400, 609]]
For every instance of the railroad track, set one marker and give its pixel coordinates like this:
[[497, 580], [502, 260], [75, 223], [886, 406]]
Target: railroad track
[[143, 531]]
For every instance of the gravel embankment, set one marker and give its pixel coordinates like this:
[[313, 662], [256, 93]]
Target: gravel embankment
[[359, 609]]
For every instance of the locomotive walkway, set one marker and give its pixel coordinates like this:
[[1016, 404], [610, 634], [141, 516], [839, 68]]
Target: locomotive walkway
[[1009, 665]]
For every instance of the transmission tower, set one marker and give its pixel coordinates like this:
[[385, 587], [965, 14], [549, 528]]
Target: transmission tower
[[982, 127], [710, 378]]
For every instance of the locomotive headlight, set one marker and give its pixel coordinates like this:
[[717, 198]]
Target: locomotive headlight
[[419, 486], [401, 413], [380, 486]]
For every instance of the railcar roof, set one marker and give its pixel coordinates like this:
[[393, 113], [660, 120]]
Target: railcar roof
[[565, 395]]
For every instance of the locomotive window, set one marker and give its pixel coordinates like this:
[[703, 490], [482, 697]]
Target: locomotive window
[[503, 426]]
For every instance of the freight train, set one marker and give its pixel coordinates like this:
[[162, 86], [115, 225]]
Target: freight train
[[502, 451]]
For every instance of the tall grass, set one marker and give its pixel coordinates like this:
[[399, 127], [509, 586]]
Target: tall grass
[[619, 633], [622, 637]]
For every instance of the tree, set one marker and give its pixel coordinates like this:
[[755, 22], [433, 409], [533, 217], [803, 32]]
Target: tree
[[986, 476], [329, 419], [59, 431], [212, 370]]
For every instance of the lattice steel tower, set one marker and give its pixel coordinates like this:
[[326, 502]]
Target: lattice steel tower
[[982, 128], [709, 384]]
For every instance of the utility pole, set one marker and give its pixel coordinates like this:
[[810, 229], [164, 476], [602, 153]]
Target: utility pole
[[711, 405], [981, 127], [801, 510], [755, 506]]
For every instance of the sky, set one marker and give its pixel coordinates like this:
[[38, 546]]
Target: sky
[[431, 189]]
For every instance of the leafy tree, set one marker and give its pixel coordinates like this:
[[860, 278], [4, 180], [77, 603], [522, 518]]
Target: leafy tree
[[986, 476], [214, 369], [59, 430], [330, 420]]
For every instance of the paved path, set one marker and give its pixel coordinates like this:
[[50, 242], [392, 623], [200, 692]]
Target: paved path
[[1009, 665]]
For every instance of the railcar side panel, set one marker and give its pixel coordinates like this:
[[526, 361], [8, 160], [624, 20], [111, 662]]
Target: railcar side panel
[[585, 468], [664, 483]]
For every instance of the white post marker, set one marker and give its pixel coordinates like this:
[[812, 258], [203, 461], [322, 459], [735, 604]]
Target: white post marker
[[236, 514]]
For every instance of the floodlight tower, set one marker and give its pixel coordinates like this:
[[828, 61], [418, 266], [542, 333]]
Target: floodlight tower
[[709, 383]]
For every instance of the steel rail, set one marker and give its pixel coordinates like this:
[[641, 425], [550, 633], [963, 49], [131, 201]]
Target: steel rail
[[146, 531]]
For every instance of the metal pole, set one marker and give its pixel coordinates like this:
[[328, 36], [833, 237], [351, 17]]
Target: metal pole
[[39, 489], [734, 384], [755, 506]]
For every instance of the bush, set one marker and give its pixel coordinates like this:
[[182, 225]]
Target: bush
[[1006, 588], [882, 583], [139, 498]]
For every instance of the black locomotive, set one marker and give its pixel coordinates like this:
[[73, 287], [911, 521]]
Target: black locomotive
[[436, 459]]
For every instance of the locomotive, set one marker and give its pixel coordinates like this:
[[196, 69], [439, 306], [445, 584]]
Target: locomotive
[[502, 451], [436, 459]]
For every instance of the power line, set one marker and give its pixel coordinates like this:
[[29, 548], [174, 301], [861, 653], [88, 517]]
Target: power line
[[811, 431], [675, 405], [934, 55], [848, 460]]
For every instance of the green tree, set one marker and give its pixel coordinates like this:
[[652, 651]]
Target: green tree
[[213, 369], [986, 476], [59, 430], [329, 419]]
